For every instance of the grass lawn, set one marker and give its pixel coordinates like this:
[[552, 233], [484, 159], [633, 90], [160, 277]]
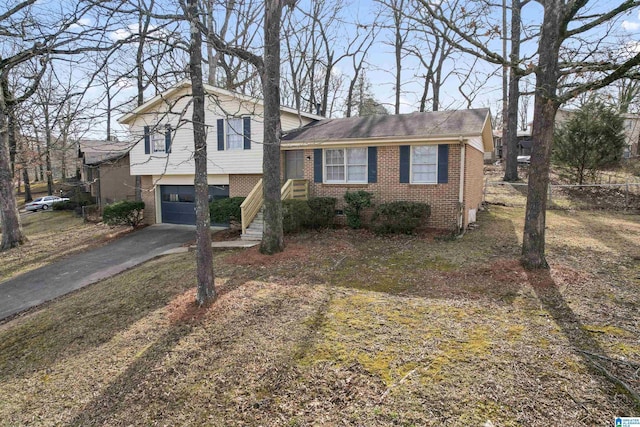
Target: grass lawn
[[347, 328]]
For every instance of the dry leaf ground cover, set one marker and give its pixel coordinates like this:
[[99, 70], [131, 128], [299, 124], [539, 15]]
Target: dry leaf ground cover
[[347, 328]]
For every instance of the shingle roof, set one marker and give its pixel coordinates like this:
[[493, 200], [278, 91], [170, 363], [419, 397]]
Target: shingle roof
[[428, 124], [97, 151]]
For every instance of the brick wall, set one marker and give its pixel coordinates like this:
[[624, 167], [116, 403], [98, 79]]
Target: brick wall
[[149, 199], [241, 185], [474, 181], [443, 198]]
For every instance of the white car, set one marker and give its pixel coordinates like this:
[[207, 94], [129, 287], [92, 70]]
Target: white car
[[524, 160], [44, 203]]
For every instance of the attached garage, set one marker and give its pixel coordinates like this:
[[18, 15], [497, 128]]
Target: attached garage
[[177, 202]]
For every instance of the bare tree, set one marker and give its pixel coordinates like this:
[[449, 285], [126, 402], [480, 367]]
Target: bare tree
[[589, 61], [432, 48], [561, 22], [204, 255], [510, 130], [269, 69]]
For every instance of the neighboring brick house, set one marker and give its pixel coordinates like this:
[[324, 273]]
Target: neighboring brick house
[[105, 170], [435, 158]]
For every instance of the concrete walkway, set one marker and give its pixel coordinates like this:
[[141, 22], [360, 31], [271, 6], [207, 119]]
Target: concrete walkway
[[52, 281]]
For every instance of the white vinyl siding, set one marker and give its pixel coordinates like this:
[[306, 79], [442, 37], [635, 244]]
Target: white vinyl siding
[[180, 160], [424, 164], [345, 166]]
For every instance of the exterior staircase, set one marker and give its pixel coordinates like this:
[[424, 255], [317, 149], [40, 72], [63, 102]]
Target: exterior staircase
[[254, 231], [252, 208]]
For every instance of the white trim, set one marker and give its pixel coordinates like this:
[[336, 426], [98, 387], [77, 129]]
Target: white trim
[[375, 142], [239, 133], [462, 183], [185, 84], [346, 166], [411, 164], [212, 179]]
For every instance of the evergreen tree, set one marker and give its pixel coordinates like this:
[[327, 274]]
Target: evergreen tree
[[591, 140]]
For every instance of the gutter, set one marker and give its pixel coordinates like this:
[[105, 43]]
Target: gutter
[[461, 189]]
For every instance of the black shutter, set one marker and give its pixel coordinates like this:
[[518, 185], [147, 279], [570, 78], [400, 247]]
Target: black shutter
[[317, 165], [372, 172], [443, 164], [220, 129], [247, 132], [167, 139], [405, 159], [147, 141]]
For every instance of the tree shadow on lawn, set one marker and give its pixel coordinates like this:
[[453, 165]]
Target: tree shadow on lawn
[[599, 229], [115, 397], [196, 380], [87, 318], [611, 374], [482, 265]]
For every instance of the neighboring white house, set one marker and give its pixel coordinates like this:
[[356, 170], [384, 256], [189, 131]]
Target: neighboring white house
[[163, 155]]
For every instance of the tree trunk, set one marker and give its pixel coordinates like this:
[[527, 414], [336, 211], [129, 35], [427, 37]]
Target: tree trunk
[[204, 254], [272, 236], [12, 234], [27, 184], [47, 150], [511, 167], [545, 108], [398, 54]]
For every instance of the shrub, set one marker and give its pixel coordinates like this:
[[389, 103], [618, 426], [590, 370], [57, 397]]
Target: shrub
[[226, 210], [323, 212], [123, 213], [356, 201], [400, 217], [295, 215], [67, 205]]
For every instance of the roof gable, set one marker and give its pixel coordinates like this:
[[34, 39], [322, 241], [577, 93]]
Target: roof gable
[[97, 151], [154, 102]]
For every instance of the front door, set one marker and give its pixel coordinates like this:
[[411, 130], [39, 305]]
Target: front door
[[294, 164]]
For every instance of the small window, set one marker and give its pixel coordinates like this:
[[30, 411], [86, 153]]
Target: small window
[[424, 164], [235, 133], [158, 142], [345, 165]]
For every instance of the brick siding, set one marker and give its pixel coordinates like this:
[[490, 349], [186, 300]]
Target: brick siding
[[473, 181], [149, 199], [443, 198], [241, 185]]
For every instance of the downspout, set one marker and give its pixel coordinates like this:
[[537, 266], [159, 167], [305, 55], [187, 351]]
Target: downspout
[[461, 191]]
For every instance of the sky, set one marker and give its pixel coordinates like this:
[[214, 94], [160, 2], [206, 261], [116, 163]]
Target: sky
[[486, 78]]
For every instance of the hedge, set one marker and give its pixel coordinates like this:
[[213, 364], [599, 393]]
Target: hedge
[[123, 213], [323, 212], [295, 215], [356, 201], [226, 210], [400, 217]]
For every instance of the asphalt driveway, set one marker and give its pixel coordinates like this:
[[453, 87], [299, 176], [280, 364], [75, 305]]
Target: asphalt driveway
[[49, 282]]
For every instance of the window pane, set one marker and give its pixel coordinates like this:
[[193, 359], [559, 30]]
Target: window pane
[[235, 139], [335, 173], [357, 156], [424, 164], [334, 157], [357, 174], [158, 142]]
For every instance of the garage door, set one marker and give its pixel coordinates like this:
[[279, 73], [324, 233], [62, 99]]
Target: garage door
[[177, 202]]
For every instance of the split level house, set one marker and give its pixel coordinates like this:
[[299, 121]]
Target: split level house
[[434, 158]]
